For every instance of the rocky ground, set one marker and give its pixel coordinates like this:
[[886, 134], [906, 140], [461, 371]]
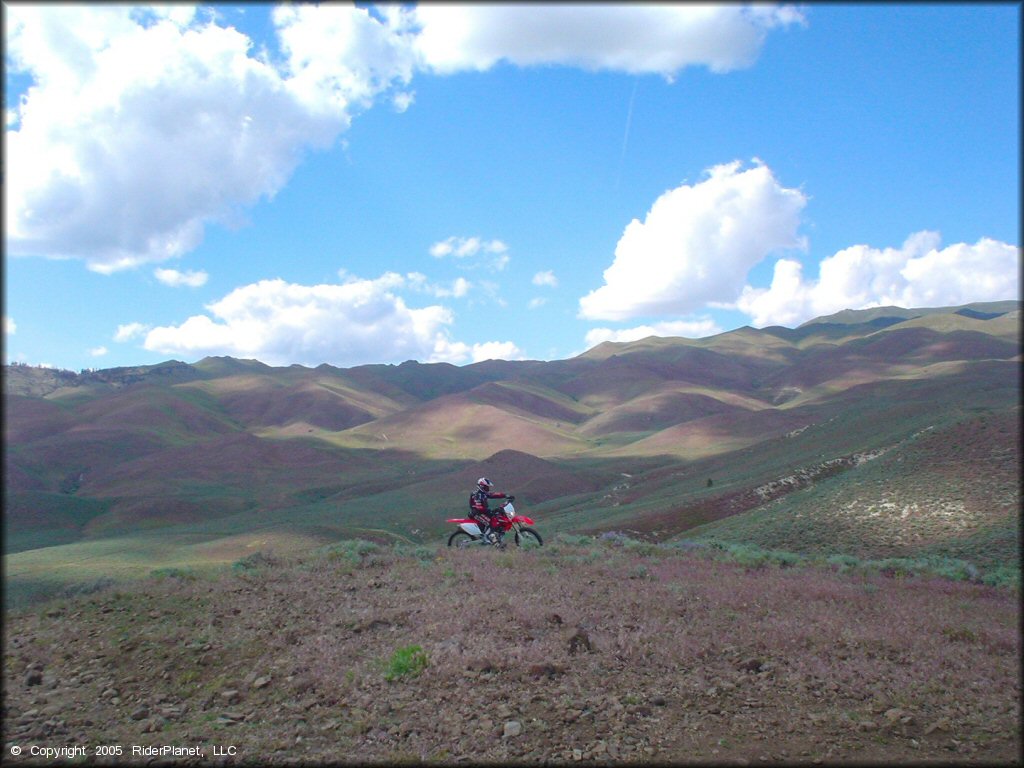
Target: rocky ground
[[566, 654]]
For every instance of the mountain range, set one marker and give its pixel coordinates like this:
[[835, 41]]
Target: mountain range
[[881, 432]]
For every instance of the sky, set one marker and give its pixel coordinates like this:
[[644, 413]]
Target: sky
[[340, 184]]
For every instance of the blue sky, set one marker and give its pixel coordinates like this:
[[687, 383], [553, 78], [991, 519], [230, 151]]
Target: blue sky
[[333, 184]]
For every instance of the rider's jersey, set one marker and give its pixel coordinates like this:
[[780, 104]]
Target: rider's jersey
[[478, 501]]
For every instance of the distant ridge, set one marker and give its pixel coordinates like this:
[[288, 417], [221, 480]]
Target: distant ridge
[[978, 310], [910, 416]]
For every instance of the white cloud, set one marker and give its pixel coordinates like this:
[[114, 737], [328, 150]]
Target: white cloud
[[130, 331], [339, 55], [10, 327], [697, 244], [98, 351], [691, 329], [660, 39], [402, 100], [918, 274], [546, 278], [458, 289], [143, 126], [174, 278], [462, 247], [459, 352], [357, 321], [537, 302], [469, 248]]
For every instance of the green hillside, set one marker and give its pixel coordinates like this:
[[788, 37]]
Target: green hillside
[[874, 433]]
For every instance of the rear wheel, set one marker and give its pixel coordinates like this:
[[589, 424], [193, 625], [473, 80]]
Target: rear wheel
[[527, 538], [460, 539]]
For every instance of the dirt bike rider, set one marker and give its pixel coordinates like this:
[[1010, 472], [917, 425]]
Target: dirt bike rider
[[481, 512]]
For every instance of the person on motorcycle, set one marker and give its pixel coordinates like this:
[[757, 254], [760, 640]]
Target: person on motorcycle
[[480, 510]]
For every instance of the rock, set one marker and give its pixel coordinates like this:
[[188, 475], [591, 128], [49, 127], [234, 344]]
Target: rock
[[580, 641], [546, 670], [751, 665], [231, 696], [942, 724], [33, 677], [261, 682], [659, 701], [140, 714], [512, 729]]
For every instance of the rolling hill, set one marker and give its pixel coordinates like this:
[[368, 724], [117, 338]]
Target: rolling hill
[[887, 431]]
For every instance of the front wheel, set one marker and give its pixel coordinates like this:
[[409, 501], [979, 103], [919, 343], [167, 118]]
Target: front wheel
[[460, 539], [527, 538]]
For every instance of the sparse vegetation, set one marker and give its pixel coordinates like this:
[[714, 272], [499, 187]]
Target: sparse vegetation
[[409, 661], [639, 655]]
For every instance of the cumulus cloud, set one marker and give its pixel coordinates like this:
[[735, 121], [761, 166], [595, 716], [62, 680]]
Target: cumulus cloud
[[691, 329], [920, 273], [546, 278], [354, 322], [175, 279], [697, 244], [98, 351], [460, 352], [660, 39], [10, 327], [130, 331], [144, 125]]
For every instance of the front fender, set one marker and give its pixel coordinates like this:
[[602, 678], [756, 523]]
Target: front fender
[[522, 520]]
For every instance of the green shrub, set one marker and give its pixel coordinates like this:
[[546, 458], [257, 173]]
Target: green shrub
[[573, 540], [416, 551], [254, 561], [843, 563], [638, 547], [953, 569], [405, 662], [1002, 576], [351, 550], [182, 574]]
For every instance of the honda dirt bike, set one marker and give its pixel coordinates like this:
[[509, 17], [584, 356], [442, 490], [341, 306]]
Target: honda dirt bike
[[505, 520]]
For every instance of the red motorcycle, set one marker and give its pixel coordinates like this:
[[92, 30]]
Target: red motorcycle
[[504, 520]]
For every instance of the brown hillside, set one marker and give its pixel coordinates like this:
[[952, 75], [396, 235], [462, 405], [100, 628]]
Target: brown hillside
[[662, 408], [29, 418], [457, 426], [528, 477], [529, 402], [239, 461]]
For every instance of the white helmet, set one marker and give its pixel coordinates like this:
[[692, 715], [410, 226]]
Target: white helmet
[[484, 484]]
